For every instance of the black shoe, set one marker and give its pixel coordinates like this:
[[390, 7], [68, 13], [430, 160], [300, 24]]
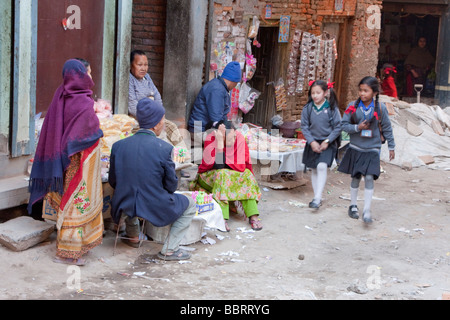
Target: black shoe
[[367, 220], [353, 212], [315, 205]]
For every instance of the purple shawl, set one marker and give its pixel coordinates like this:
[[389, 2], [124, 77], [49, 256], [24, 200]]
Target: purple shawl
[[69, 127]]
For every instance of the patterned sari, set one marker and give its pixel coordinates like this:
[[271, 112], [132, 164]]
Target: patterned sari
[[66, 167], [79, 220]]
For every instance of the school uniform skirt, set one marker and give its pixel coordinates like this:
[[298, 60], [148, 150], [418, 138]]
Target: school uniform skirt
[[359, 163], [311, 159]]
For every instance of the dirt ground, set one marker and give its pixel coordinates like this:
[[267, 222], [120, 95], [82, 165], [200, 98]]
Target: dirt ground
[[299, 255]]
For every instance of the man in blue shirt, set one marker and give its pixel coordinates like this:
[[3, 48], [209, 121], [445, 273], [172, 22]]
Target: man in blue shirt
[[213, 102]]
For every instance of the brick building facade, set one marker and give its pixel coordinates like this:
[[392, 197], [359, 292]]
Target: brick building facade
[[355, 26]]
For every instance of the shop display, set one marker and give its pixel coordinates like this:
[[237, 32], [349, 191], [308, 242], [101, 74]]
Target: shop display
[[254, 28], [234, 110], [103, 109], [115, 128], [317, 61], [247, 97], [203, 200], [250, 67], [179, 154], [260, 140], [293, 64], [280, 95]]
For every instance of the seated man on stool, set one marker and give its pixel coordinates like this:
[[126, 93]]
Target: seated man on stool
[[143, 175]]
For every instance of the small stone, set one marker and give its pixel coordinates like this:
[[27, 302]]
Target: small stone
[[301, 257]]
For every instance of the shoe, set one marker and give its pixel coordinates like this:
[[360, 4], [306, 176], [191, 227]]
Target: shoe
[[367, 220], [134, 244], [175, 256], [353, 212], [315, 205]]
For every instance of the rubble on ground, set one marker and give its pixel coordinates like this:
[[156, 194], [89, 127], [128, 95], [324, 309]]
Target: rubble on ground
[[421, 132]]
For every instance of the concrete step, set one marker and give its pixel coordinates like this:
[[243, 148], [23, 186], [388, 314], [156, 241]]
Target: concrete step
[[14, 191]]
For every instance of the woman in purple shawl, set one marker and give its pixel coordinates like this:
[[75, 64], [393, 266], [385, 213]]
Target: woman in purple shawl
[[66, 168]]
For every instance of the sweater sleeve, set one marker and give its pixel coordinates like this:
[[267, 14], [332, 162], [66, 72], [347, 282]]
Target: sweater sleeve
[[305, 124], [386, 126], [337, 125], [346, 124]]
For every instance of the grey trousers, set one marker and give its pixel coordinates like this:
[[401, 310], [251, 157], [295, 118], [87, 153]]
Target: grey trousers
[[177, 230]]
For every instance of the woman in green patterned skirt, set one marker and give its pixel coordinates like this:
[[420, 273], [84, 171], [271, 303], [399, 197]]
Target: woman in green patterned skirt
[[226, 172]]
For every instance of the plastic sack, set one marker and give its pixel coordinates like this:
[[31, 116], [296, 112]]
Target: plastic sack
[[249, 97], [253, 31]]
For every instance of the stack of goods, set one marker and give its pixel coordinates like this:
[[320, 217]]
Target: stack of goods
[[103, 109], [260, 141], [280, 94], [179, 154], [115, 128], [203, 200]]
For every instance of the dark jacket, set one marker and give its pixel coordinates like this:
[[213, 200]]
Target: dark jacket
[[213, 103], [143, 175]]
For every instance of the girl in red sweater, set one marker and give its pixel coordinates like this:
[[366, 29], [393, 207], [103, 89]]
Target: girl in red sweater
[[388, 85]]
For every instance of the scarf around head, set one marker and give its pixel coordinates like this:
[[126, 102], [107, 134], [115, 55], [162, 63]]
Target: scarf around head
[[70, 126]]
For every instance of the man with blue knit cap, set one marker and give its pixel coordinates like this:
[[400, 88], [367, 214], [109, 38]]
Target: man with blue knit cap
[[213, 102], [143, 175]]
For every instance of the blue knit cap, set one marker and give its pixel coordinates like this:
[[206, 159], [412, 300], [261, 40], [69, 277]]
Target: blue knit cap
[[149, 113], [232, 72]]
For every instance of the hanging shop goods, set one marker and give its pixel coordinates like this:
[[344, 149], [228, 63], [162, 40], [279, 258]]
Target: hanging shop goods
[[317, 60], [254, 28], [234, 110], [250, 67], [280, 95], [293, 65], [247, 97], [224, 54]]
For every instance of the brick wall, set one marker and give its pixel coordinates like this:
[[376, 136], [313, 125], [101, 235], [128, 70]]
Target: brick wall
[[148, 35], [360, 51]]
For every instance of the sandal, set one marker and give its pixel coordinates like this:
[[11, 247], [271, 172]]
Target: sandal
[[227, 227], [76, 262], [175, 256], [255, 224], [134, 244]]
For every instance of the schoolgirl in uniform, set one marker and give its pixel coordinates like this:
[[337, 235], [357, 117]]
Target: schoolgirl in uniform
[[321, 127], [367, 122]]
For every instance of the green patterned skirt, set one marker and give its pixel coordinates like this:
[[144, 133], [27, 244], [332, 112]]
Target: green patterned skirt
[[227, 185]]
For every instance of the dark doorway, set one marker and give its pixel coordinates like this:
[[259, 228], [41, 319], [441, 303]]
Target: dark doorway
[[268, 70], [56, 45], [400, 32]]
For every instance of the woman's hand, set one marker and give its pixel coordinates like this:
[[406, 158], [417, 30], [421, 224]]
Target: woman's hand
[[231, 138], [391, 155], [315, 146], [220, 134], [324, 145], [365, 125]]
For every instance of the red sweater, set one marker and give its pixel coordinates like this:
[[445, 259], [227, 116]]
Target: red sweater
[[389, 88]]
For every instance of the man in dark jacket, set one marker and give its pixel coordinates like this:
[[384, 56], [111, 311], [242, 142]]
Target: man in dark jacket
[[213, 102], [143, 175]]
